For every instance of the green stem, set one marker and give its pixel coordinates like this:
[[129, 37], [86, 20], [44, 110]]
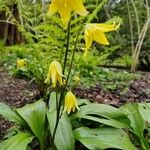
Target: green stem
[[70, 68], [72, 58], [63, 89], [67, 48]]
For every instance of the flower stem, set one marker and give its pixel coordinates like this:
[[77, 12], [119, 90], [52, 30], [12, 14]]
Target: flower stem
[[67, 48], [58, 107], [70, 68], [72, 58]]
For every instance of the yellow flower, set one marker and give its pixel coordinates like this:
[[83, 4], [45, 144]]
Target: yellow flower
[[65, 7], [21, 63], [96, 32], [54, 74], [70, 102], [76, 79]]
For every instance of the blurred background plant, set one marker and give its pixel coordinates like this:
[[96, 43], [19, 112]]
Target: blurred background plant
[[27, 29], [21, 24]]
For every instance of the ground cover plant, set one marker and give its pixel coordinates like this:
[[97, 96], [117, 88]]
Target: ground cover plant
[[59, 57]]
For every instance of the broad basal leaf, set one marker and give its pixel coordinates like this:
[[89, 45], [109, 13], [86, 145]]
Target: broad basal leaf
[[10, 114], [137, 124], [109, 122], [52, 102], [103, 138], [64, 139], [17, 142], [102, 110], [144, 109], [34, 115], [104, 114]]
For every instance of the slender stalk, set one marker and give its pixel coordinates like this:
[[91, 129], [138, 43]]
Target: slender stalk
[[137, 17], [71, 63], [131, 26], [67, 48], [140, 40], [139, 45], [147, 9], [72, 59], [63, 88]]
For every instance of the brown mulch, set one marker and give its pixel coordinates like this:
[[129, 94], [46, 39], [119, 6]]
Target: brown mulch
[[18, 92], [138, 91], [15, 92]]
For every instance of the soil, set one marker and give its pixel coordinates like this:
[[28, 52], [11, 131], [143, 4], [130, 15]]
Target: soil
[[18, 92], [15, 92], [137, 91]]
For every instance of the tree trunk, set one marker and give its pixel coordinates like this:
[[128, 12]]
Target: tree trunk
[[9, 33]]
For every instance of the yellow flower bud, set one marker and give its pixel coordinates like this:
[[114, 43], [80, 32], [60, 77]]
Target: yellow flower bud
[[21, 63], [54, 74], [70, 102]]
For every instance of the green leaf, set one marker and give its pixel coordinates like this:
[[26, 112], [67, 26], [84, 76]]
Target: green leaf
[[52, 102], [144, 109], [10, 114], [103, 138], [83, 102], [109, 115], [102, 110], [34, 115], [136, 121], [64, 139], [17, 142], [109, 122], [137, 124]]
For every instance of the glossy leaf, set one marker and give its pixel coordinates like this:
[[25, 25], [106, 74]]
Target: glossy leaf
[[34, 115], [64, 139], [102, 110], [52, 102], [109, 122], [10, 114], [17, 142], [144, 109], [137, 124], [103, 138], [105, 114]]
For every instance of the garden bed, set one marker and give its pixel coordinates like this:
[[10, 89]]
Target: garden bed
[[18, 92]]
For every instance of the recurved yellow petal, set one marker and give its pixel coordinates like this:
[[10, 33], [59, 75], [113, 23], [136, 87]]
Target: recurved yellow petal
[[96, 32], [78, 7], [65, 15], [53, 8], [105, 27], [88, 38], [65, 7], [100, 37]]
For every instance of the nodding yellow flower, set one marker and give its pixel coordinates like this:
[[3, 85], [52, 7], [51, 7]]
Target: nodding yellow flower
[[70, 102], [21, 63], [54, 74], [65, 7], [96, 32]]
